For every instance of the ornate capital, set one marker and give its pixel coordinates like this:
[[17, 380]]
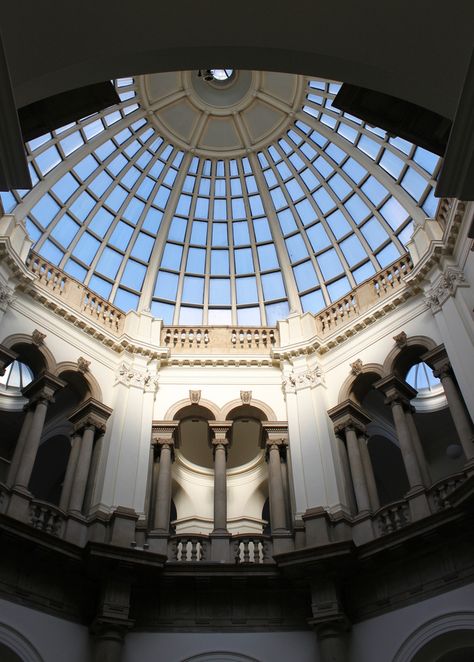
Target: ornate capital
[[445, 288], [299, 380], [91, 413], [396, 390], [130, 376], [348, 416]]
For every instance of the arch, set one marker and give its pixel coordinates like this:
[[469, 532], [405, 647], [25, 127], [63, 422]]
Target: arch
[[174, 410], [220, 656], [400, 359], [37, 357], [92, 384], [268, 413], [19, 644], [434, 629], [346, 390]]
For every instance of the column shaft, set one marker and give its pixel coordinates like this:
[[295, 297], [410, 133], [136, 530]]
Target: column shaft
[[82, 469], [357, 470], [369, 473], [275, 488], [108, 646], [409, 457], [220, 489], [20, 447], [419, 452], [31, 445], [461, 421], [163, 490], [70, 471]]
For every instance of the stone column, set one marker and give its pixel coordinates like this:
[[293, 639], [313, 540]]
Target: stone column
[[274, 447], [89, 419], [398, 395], [352, 420], [220, 444], [161, 516], [438, 360], [425, 472], [329, 620], [20, 444], [112, 621], [40, 393], [70, 471], [369, 472]]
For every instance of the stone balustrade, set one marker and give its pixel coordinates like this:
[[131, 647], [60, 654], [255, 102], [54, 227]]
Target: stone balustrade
[[46, 517], [367, 295], [392, 517], [439, 492], [52, 284], [186, 548], [91, 307], [252, 549], [219, 340]]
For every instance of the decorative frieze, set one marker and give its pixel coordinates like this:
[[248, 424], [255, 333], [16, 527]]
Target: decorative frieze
[[6, 296], [131, 376], [296, 381], [445, 288]]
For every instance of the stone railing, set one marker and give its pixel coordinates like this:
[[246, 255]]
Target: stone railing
[[392, 517], [252, 549], [439, 493], [186, 548], [365, 296], [75, 295], [214, 340], [46, 517]]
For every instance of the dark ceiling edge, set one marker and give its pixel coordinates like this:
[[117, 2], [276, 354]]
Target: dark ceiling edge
[[14, 171], [456, 179]]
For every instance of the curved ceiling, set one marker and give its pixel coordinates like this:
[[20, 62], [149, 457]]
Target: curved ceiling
[[417, 51], [146, 206]]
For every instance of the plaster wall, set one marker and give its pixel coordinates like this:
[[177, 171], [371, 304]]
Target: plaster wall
[[52, 639]]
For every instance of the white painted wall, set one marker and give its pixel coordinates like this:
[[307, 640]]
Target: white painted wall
[[55, 639], [263, 646]]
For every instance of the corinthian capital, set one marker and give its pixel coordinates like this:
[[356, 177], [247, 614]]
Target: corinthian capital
[[445, 288]]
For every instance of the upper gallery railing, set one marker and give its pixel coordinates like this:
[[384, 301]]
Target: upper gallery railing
[[66, 295]]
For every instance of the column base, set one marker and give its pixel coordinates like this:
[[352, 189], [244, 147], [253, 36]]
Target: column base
[[418, 503], [123, 525], [158, 541], [76, 529], [19, 504], [282, 542], [220, 547]]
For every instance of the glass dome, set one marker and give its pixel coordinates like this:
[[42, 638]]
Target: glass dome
[[223, 204]]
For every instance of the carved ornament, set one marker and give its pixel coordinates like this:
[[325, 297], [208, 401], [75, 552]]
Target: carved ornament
[[445, 288], [194, 397], [298, 380], [131, 376], [6, 296], [401, 339], [82, 364], [37, 337], [356, 367], [246, 397]]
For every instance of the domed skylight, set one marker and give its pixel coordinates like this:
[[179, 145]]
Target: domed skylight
[[270, 201]]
